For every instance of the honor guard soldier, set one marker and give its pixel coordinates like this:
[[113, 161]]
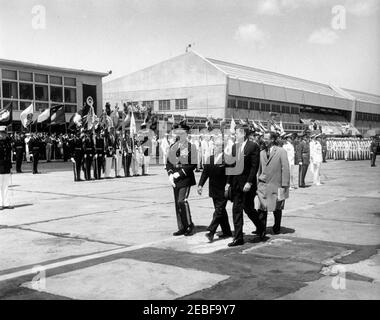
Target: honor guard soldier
[[35, 147], [18, 149], [5, 167], [127, 154], [145, 147], [110, 153], [118, 155], [99, 154], [89, 152], [76, 151], [180, 167]]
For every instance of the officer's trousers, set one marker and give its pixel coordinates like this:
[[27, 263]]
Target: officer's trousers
[[36, 157], [5, 180], [182, 208], [302, 174], [146, 160], [98, 166], [373, 159], [108, 166], [19, 156], [316, 173], [48, 152], [119, 159], [87, 166]]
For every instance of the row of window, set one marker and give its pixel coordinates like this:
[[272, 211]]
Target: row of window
[[38, 106], [367, 116], [235, 103], [38, 77]]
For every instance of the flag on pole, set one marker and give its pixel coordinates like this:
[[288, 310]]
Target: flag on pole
[[90, 118], [232, 126], [6, 115], [132, 127], [26, 116], [57, 115], [45, 115], [171, 119]]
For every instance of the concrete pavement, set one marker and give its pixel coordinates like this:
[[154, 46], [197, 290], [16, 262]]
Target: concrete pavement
[[112, 239]]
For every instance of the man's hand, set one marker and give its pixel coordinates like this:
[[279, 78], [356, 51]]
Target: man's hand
[[176, 175], [247, 187], [72, 160], [227, 187], [200, 190], [171, 180]]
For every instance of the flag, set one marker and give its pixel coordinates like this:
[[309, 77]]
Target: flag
[[90, 119], [6, 115], [44, 116], [26, 116], [57, 115], [132, 127], [171, 119], [115, 116], [232, 126]]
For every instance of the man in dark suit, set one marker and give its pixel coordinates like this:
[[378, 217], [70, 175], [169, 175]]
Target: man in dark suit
[[180, 166], [243, 182], [35, 147], [215, 171], [373, 152]]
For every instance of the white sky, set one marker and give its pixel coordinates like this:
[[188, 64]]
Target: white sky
[[294, 37]]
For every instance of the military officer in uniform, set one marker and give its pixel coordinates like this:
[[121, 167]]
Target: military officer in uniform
[[76, 151], [35, 147], [118, 155], [127, 154], [110, 153], [89, 152], [304, 159], [5, 167], [99, 154], [180, 166], [18, 149]]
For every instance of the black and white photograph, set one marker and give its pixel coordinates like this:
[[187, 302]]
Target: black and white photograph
[[189, 152]]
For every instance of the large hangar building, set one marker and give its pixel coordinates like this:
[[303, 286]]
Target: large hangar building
[[197, 86]]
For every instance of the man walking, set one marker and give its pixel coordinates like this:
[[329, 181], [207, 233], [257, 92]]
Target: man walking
[[180, 167], [215, 171], [273, 185], [243, 183]]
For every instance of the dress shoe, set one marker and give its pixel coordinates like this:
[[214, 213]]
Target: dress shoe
[[8, 207], [179, 233], [189, 230], [236, 242], [276, 230], [262, 235], [210, 236]]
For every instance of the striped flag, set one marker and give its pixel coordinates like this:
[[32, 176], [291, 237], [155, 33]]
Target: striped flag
[[6, 115], [45, 115], [132, 127], [26, 116]]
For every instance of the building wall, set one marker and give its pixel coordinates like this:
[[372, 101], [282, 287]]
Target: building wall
[[80, 79], [187, 76]]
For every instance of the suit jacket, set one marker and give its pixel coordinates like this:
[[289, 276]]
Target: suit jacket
[[249, 164], [273, 174], [181, 159], [216, 173]]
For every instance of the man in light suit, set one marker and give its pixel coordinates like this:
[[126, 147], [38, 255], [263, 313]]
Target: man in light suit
[[243, 182], [316, 158], [273, 182], [289, 148]]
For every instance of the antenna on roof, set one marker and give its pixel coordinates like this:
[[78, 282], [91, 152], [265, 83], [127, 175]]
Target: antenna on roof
[[188, 48]]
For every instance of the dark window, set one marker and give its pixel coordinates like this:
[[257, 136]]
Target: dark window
[[285, 109], [9, 74], [42, 78], [26, 76], [56, 94], [70, 108], [55, 80], [41, 92], [10, 89], [242, 104], [181, 104], [70, 82], [163, 105], [70, 95], [231, 103], [276, 108], [26, 91], [148, 104], [24, 104], [265, 107], [14, 104]]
